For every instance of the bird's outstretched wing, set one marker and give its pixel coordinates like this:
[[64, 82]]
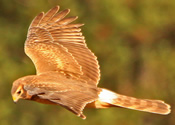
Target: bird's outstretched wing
[[53, 44]]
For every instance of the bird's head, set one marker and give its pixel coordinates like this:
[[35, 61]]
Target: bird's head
[[18, 91]]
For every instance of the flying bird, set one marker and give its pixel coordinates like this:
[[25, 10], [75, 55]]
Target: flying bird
[[67, 71]]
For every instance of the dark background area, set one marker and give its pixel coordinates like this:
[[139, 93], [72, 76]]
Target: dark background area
[[134, 41]]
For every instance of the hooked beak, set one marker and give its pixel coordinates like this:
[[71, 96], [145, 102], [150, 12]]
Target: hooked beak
[[15, 98]]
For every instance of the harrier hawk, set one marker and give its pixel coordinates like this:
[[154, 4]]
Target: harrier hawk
[[67, 71]]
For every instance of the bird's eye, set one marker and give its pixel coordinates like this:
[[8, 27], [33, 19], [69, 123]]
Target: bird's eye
[[19, 92]]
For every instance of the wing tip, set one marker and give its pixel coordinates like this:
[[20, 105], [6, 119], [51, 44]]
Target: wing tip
[[56, 8], [36, 20], [67, 11]]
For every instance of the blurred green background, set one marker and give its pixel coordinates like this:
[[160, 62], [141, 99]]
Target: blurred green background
[[134, 41]]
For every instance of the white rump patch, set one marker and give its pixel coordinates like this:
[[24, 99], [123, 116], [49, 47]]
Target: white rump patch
[[107, 96]]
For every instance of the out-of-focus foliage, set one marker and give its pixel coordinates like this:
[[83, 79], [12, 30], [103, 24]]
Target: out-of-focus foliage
[[135, 44]]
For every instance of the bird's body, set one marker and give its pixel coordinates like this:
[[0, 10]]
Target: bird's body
[[67, 71]]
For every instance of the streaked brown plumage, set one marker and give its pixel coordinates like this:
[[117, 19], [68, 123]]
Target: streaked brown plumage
[[67, 71]]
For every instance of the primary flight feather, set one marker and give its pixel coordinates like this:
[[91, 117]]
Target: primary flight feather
[[67, 71]]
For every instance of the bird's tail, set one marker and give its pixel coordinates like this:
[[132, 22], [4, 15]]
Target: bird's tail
[[108, 98]]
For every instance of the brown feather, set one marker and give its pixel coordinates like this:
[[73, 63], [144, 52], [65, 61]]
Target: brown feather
[[153, 106], [64, 43], [147, 105], [66, 21], [49, 15], [72, 93], [67, 71], [60, 15], [36, 20]]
